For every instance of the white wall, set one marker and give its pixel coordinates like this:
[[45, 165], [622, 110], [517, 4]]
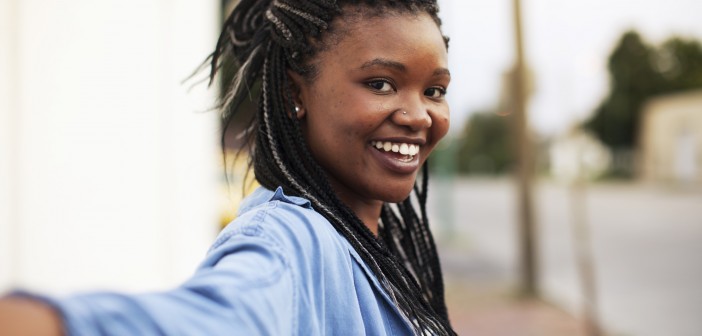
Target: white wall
[[6, 136], [109, 173]]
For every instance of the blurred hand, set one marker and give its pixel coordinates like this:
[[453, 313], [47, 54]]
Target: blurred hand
[[20, 317]]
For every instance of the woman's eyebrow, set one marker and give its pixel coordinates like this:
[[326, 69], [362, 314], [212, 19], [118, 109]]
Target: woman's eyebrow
[[442, 72], [384, 62]]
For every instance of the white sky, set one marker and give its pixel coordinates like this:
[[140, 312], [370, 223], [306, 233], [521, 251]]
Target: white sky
[[567, 44]]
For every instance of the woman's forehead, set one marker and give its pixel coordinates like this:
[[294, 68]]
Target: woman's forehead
[[388, 37]]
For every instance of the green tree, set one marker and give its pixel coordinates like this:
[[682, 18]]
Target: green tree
[[679, 62], [632, 80], [484, 146]]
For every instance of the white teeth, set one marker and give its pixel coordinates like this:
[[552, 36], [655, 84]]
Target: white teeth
[[402, 148], [413, 150]]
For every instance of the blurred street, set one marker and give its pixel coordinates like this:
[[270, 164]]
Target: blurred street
[[646, 241]]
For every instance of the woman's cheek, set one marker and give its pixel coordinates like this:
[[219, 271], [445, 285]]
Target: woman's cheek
[[441, 125]]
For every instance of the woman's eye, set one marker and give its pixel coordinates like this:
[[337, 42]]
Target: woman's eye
[[435, 92], [380, 86]]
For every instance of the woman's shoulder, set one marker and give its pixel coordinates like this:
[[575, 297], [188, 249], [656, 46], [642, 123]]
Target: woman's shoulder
[[288, 222]]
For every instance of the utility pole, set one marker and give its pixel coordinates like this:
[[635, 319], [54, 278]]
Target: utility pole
[[524, 173], [584, 256]]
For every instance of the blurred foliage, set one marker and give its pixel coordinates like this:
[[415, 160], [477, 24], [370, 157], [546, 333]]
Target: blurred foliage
[[638, 72], [485, 145]]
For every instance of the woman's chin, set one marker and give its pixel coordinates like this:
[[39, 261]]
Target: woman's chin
[[396, 195]]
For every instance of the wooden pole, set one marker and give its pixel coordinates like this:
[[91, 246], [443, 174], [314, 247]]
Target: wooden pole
[[527, 229], [584, 256]]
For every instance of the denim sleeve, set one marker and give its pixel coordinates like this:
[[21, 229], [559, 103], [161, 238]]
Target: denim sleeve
[[244, 287]]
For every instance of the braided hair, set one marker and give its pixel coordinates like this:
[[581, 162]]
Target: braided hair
[[264, 39]]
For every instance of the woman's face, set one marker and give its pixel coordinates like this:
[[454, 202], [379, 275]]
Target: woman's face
[[376, 109]]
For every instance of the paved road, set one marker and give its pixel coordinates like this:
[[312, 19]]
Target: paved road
[[647, 242]]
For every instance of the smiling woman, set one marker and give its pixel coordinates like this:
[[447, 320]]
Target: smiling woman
[[350, 107]]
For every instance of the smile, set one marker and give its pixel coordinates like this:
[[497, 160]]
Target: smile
[[409, 150]]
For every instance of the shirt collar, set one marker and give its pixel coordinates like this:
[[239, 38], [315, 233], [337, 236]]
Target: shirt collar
[[262, 195]]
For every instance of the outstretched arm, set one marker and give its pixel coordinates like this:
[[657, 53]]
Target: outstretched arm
[[21, 316], [244, 287]]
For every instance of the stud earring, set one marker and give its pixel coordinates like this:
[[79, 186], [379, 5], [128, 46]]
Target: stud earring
[[404, 112], [297, 109]]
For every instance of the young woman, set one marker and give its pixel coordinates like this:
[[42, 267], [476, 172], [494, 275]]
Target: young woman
[[336, 241]]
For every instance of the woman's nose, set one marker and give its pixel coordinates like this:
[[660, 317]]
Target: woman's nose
[[414, 116]]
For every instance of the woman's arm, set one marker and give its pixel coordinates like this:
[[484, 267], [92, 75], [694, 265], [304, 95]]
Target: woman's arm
[[22, 316], [244, 287]]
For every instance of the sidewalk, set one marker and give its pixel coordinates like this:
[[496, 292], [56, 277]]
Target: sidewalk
[[482, 298], [477, 311]]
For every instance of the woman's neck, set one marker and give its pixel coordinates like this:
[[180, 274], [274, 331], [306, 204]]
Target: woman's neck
[[366, 210]]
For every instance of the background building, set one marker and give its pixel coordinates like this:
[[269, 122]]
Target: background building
[[671, 139]]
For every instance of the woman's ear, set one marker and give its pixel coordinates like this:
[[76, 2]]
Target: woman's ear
[[296, 81]]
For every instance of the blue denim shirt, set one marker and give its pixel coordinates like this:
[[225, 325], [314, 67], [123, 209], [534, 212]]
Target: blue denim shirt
[[280, 268]]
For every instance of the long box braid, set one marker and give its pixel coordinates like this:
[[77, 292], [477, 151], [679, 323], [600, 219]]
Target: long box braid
[[264, 39]]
